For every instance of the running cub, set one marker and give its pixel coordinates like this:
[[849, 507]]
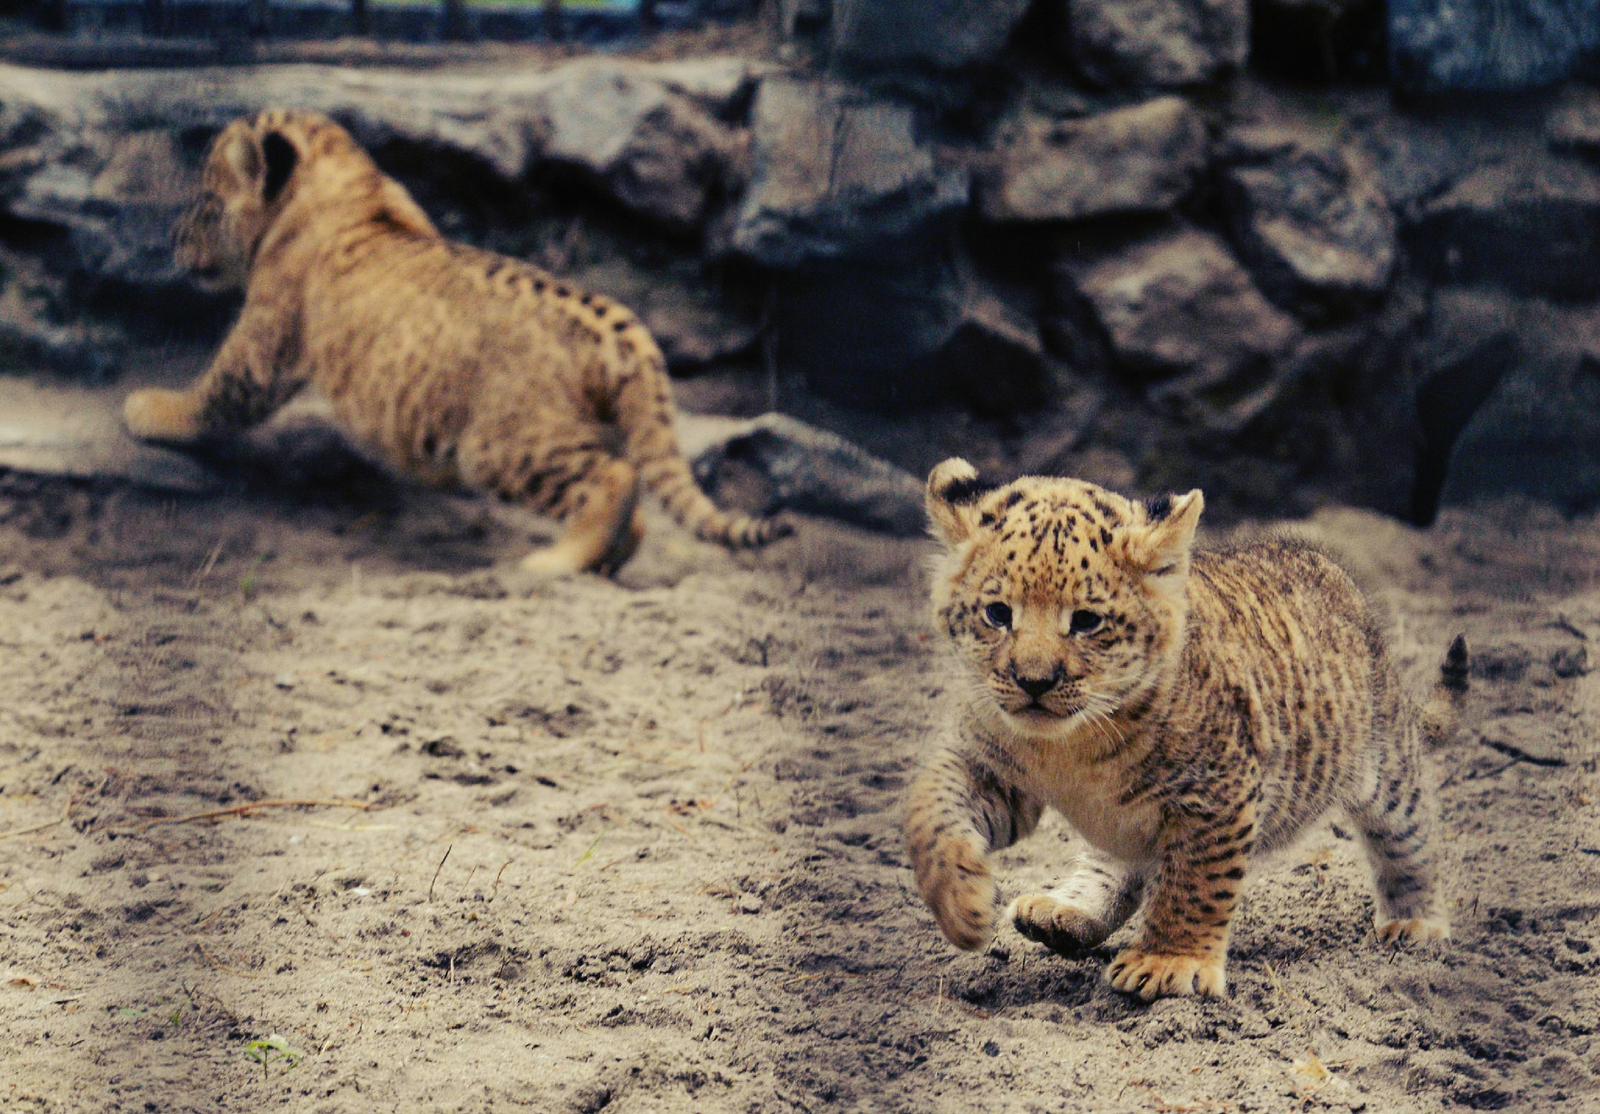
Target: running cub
[[1183, 711], [453, 364]]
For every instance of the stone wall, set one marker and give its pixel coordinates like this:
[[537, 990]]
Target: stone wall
[[1087, 221]]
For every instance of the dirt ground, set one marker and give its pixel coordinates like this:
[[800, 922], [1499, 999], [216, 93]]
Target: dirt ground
[[634, 846]]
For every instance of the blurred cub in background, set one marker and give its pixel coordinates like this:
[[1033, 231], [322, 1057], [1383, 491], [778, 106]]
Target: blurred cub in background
[[455, 365], [1184, 711]]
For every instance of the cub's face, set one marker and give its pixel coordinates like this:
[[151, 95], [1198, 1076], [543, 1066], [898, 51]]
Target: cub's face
[[1063, 598], [240, 186]]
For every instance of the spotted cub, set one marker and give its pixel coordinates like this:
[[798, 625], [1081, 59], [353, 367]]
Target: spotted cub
[[457, 366], [1185, 711]]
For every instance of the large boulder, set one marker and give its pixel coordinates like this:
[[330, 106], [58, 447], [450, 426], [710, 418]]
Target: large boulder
[[84, 152], [1439, 45], [1525, 229], [648, 146], [1536, 434], [946, 34], [1310, 220], [1180, 317], [908, 333], [1141, 159], [1574, 125], [838, 172], [1156, 43]]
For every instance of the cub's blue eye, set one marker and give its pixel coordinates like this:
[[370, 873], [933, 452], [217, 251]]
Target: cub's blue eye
[[1086, 622], [999, 615]]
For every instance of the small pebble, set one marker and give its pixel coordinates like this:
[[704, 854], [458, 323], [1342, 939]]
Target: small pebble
[[284, 681], [749, 903]]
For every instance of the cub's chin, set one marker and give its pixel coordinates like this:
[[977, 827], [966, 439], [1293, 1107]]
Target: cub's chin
[[1036, 720]]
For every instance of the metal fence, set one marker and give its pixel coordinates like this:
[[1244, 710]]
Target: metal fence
[[416, 20]]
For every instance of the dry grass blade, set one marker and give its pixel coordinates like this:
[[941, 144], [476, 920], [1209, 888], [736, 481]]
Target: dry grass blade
[[246, 809]]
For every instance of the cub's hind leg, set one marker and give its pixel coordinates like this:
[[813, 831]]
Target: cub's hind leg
[[1097, 898], [552, 465], [597, 508], [250, 377], [1396, 821]]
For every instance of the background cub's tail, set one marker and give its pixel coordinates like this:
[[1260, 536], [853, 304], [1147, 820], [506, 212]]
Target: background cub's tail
[[1442, 713], [644, 411]]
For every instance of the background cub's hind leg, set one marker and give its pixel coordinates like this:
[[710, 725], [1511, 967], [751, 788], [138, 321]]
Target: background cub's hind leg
[[598, 508], [1097, 898]]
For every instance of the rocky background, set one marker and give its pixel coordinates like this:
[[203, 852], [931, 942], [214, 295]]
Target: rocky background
[[1293, 251]]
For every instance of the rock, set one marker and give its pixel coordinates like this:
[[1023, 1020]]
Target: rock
[[1181, 316], [946, 34], [1439, 45], [837, 172], [813, 471], [1469, 345], [1156, 43], [1481, 231], [864, 332], [1537, 434], [1574, 125], [909, 333], [80, 154], [1141, 159], [1309, 219], [650, 148], [993, 359]]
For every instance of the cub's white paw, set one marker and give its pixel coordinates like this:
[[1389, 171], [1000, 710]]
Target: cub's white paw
[[1060, 927], [1413, 930]]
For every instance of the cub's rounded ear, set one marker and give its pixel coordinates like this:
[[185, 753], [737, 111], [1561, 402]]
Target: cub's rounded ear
[[280, 157], [1160, 545], [239, 151], [954, 489]]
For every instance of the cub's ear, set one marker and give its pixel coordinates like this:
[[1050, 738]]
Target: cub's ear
[[280, 156], [1160, 545], [952, 496], [239, 151]]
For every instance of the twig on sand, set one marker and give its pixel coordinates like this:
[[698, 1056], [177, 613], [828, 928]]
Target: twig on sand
[[436, 871], [66, 813], [246, 809]]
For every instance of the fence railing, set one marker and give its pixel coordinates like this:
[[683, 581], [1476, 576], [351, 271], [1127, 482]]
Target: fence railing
[[402, 19]]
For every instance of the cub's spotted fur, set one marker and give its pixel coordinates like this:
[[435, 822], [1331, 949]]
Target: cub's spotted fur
[[1183, 711], [456, 365]]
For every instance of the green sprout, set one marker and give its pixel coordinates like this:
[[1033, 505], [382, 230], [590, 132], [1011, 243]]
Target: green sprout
[[263, 1050]]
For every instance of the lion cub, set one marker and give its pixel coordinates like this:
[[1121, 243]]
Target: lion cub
[[453, 364], [1184, 711]]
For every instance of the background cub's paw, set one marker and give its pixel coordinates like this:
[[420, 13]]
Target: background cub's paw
[[958, 887], [1059, 927], [1153, 976], [161, 416], [1413, 930]]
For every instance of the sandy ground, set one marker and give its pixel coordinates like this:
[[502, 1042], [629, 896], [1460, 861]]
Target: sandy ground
[[634, 845]]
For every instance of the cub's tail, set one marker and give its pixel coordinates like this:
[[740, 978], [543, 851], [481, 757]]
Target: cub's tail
[[642, 397], [1442, 713]]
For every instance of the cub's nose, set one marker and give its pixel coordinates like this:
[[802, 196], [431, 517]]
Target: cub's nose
[[1036, 686]]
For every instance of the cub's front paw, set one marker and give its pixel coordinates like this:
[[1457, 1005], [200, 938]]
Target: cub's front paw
[[958, 887], [1059, 927], [1152, 976], [1414, 930], [156, 415]]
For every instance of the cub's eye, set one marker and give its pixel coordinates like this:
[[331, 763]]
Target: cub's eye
[[1085, 622], [999, 615]]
